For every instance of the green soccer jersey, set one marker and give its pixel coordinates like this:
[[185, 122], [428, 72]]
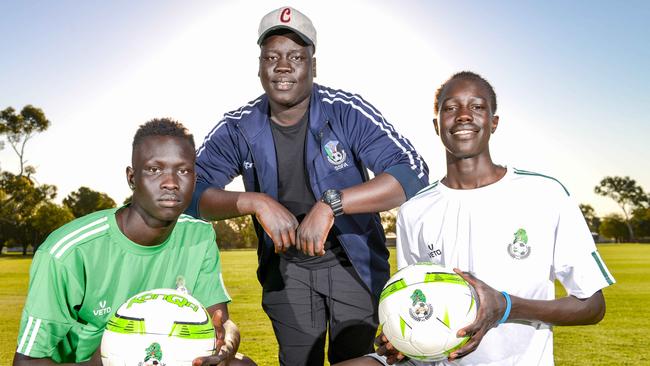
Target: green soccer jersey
[[87, 268]]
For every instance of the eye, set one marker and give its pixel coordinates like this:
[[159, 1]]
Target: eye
[[153, 170], [269, 58], [297, 58], [184, 171], [449, 108], [478, 107]]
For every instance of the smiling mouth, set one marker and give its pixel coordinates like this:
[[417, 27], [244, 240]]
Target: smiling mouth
[[283, 84], [463, 132]]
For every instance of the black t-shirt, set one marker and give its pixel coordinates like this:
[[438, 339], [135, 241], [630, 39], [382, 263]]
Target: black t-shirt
[[294, 190]]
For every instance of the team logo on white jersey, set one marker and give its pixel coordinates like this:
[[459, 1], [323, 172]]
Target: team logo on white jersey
[[335, 154], [103, 309], [519, 248], [420, 310]]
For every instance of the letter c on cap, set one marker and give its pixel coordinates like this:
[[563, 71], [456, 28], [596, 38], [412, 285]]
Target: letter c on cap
[[285, 16]]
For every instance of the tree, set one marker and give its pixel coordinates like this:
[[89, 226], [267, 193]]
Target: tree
[[84, 201], [21, 197], [614, 227], [641, 222], [627, 194], [592, 220], [20, 200], [21, 127], [237, 232], [389, 221], [48, 218]]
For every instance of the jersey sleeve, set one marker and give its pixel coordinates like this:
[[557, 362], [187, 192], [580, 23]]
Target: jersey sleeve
[[577, 263], [217, 163], [210, 288], [48, 314], [380, 147]]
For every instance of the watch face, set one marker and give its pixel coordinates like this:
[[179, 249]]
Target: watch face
[[331, 195]]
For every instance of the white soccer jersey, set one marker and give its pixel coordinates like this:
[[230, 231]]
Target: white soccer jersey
[[518, 235]]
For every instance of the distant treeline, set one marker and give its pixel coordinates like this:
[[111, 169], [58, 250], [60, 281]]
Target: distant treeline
[[28, 214]]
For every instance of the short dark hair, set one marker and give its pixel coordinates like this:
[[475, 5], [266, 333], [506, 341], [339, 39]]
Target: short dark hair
[[466, 75], [162, 127]]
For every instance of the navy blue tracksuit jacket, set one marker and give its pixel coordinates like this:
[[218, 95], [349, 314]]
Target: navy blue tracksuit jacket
[[346, 135]]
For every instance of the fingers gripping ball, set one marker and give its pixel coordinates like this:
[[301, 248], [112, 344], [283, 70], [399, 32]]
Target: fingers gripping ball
[[421, 309], [162, 327]]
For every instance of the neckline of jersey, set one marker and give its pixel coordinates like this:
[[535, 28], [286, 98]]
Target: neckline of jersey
[[129, 245], [480, 190]]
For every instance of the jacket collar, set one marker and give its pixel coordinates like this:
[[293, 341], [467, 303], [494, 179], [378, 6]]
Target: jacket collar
[[252, 127]]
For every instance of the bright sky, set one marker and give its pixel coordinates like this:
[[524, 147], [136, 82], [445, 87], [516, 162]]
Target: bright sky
[[572, 78]]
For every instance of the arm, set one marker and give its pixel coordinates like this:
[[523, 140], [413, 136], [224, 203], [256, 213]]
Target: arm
[[218, 162], [227, 341], [381, 193], [276, 220], [568, 310], [400, 171], [48, 317]]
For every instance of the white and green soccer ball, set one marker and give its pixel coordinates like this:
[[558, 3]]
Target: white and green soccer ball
[[422, 307], [162, 327]]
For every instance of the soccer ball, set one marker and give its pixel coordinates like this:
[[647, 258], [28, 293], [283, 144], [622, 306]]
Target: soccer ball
[[422, 307], [161, 327]]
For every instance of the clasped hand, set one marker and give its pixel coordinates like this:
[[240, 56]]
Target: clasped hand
[[283, 228]]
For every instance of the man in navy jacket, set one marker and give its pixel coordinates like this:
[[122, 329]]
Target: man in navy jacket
[[303, 151]]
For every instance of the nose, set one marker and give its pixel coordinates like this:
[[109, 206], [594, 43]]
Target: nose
[[169, 181], [464, 115], [283, 65]]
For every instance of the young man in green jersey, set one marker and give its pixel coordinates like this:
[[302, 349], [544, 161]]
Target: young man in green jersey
[[87, 268]]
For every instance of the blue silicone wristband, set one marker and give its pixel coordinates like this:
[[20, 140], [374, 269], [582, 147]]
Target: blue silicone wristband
[[506, 314]]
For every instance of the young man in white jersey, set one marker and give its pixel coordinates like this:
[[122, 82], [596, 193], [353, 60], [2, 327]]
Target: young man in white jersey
[[510, 233], [87, 268]]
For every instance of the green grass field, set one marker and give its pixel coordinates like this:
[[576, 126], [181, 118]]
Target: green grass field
[[611, 342]]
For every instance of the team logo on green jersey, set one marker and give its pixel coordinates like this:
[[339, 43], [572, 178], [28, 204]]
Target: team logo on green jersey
[[519, 248], [420, 310], [153, 356]]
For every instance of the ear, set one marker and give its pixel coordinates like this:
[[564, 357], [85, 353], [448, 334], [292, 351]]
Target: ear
[[129, 177], [435, 125], [313, 66], [495, 123]]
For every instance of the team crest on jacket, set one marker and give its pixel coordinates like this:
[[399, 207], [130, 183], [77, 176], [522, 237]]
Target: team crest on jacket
[[519, 248], [335, 154], [420, 310]]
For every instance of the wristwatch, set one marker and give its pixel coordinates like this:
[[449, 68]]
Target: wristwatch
[[332, 197]]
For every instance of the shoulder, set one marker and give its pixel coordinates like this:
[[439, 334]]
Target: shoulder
[[192, 223], [250, 112], [247, 109], [538, 182], [338, 100], [421, 200], [77, 232], [199, 229]]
